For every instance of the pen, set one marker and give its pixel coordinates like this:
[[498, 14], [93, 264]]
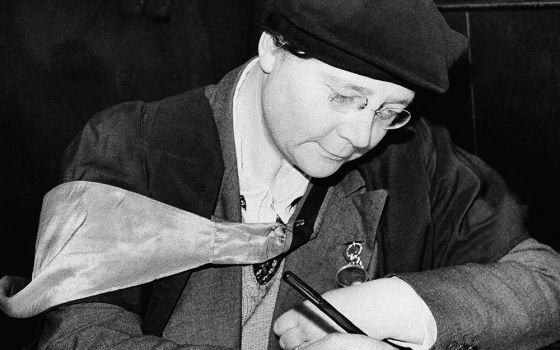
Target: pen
[[323, 305]]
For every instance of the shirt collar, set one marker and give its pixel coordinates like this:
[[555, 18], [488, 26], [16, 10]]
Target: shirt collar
[[263, 203]]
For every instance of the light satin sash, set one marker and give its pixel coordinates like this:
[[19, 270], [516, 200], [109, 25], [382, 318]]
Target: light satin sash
[[95, 238]]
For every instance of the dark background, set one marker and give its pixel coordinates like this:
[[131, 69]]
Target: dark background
[[62, 61]]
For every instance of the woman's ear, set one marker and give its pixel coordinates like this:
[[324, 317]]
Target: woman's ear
[[268, 52]]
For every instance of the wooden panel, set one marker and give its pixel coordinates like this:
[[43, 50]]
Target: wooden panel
[[484, 5]]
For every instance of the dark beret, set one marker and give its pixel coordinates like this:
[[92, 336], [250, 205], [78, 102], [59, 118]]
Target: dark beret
[[406, 42]]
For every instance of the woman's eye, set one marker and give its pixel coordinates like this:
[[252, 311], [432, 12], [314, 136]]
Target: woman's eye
[[343, 98], [345, 103], [387, 114], [349, 101]]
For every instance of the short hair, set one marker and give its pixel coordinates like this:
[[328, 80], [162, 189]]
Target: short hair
[[282, 43]]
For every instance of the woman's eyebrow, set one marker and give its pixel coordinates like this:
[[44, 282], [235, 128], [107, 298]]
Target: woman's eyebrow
[[346, 85], [360, 89]]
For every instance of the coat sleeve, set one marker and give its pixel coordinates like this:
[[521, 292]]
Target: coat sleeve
[[162, 150], [509, 297], [102, 326], [511, 304]]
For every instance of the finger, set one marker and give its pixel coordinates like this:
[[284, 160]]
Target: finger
[[285, 322], [292, 338], [309, 318], [315, 318], [344, 341]]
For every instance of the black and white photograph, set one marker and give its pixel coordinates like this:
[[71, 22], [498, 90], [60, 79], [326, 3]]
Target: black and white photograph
[[280, 174]]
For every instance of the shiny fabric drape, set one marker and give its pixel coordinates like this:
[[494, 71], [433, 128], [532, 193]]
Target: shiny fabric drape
[[95, 238]]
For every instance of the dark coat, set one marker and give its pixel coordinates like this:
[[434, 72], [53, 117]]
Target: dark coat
[[418, 202]]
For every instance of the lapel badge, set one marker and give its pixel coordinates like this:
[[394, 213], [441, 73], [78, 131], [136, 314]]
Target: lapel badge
[[353, 272]]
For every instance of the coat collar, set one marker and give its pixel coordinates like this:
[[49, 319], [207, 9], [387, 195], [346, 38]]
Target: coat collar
[[218, 291], [221, 100]]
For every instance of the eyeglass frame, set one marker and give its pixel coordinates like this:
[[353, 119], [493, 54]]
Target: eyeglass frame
[[377, 114]]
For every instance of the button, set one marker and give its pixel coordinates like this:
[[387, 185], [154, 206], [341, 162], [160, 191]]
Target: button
[[299, 232], [131, 8]]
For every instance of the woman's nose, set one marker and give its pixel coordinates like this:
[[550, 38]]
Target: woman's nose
[[358, 129]]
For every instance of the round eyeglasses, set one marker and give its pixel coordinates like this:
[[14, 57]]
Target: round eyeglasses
[[390, 118], [386, 117]]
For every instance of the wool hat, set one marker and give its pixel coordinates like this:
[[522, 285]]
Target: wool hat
[[406, 42]]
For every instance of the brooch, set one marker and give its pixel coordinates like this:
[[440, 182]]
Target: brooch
[[353, 272]]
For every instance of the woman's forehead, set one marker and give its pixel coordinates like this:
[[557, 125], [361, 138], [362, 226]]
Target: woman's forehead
[[348, 81]]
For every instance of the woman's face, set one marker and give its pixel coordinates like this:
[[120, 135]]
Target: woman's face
[[313, 112]]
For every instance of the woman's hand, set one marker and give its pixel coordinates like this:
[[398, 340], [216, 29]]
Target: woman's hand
[[383, 308], [307, 328], [304, 324], [293, 338]]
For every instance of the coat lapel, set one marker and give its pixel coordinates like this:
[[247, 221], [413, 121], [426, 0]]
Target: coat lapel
[[349, 213], [216, 292], [221, 100]]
